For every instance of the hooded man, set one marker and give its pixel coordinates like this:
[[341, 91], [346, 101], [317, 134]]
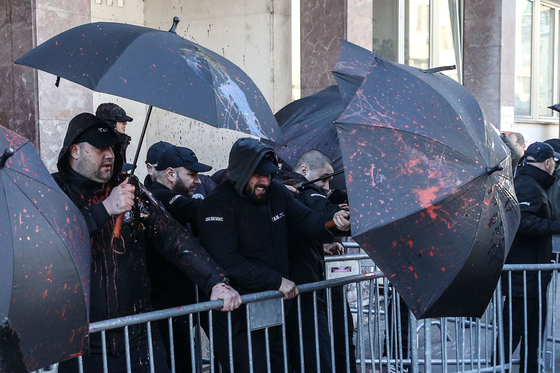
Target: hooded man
[[243, 224], [532, 245], [89, 167]]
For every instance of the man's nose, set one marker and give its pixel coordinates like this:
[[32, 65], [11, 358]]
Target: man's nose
[[326, 186], [265, 180], [108, 153]]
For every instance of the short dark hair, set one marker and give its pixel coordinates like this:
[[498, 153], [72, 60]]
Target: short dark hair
[[520, 140], [314, 159]]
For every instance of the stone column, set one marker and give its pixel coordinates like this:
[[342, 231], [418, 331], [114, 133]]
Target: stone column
[[489, 55], [323, 24], [18, 84]]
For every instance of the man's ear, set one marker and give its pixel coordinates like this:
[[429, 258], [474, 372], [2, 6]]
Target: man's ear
[[74, 151], [303, 169], [170, 174]]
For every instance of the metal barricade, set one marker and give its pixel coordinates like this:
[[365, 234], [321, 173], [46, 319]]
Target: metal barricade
[[386, 336]]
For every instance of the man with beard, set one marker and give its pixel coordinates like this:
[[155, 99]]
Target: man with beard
[[89, 166], [176, 179], [243, 224]]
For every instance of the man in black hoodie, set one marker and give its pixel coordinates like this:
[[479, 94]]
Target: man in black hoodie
[[243, 224], [89, 167], [532, 245]]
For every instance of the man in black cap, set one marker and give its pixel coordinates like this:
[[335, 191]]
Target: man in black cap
[[89, 167], [116, 117], [175, 180], [532, 245], [243, 224], [152, 157]]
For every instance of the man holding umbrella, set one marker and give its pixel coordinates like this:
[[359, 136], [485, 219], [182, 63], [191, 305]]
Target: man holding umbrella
[[89, 167]]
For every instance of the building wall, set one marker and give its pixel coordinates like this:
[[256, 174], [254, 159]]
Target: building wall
[[56, 106], [253, 34], [18, 110]]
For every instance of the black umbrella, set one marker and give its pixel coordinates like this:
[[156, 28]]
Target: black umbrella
[[430, 188], [44, 263], [308, 123], [161, 69]]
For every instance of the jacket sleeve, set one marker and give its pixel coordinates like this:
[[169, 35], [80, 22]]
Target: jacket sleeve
[[304, 221], [530, 204], [219, 235], [174, 242], [182, 208]]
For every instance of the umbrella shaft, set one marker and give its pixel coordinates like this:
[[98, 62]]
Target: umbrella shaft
[[141, 140]]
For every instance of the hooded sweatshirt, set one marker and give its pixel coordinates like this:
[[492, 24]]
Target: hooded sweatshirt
[[250, 241], [119, 280]]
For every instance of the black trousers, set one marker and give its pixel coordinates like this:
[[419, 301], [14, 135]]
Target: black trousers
[[340, 327], [308, 336], [518, 330], [241, 345], [181, 340]]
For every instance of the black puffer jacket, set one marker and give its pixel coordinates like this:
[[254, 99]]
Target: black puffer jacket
[[119, 280], [247, 240], [533, 242]]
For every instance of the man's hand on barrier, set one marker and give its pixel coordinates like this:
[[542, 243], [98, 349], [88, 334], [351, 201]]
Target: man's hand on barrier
[[229, 295], [342, 220], [334, 248], [288, 288]]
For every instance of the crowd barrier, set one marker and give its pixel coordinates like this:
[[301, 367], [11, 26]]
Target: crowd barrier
[[386, 336]]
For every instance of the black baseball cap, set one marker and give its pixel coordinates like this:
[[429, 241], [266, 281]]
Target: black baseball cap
[[177, 156], [100, 135], [266, 166], [110, 112], [155, 151], [540, 152]]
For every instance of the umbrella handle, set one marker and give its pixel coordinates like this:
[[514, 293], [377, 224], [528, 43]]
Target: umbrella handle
[[118, 225], [330, 224]]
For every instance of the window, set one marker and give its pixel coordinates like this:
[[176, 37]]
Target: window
[[420, 33], [536, 64]]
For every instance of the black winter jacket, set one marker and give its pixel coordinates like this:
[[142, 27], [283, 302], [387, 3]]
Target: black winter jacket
[[305, 254], [533, 242]]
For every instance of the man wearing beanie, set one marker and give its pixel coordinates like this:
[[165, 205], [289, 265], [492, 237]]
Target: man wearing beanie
[[89, 166]]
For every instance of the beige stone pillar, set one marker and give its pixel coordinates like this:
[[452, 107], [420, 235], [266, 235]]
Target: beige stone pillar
[[489, 59]]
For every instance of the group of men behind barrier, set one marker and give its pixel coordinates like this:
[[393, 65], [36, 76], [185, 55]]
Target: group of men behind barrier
[[245, 225]]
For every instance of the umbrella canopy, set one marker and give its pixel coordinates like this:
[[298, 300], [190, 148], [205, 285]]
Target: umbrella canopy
[[430, 188], [351, 69], [161, 69], [308, 123], [44, 263]]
